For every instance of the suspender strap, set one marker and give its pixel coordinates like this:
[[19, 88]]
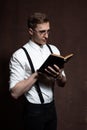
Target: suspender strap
[[29, 59], [33, 70], [50, 48]]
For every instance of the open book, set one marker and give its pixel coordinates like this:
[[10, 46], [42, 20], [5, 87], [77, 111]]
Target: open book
[[55, 59]]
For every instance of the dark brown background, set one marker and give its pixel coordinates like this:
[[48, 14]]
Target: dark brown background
[[69, 34]]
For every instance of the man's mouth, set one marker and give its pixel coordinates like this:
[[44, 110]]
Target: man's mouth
[[44, 40]]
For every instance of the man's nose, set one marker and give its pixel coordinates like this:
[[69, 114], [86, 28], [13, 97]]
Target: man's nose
[[46, 34]]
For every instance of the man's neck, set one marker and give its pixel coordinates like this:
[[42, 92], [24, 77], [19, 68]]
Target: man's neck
[[41, 45]]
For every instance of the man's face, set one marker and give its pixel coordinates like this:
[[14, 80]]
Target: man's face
[[40, 33]]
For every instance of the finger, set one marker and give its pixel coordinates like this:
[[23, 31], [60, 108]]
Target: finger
[[52, 70], [57, 69]]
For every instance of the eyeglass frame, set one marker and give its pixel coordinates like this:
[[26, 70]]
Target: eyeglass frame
[[42, 32]]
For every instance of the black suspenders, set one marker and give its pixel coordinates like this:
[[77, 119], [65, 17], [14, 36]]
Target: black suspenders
[[49, 48], [33, 70]]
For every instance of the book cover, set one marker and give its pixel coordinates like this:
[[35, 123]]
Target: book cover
[[55, 59]]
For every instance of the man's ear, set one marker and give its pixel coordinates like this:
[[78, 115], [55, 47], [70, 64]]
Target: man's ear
[[30, 30]]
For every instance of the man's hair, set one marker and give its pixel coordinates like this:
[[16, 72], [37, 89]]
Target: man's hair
[[37, 18]]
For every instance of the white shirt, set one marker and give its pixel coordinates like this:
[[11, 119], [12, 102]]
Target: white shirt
[[20, 69]]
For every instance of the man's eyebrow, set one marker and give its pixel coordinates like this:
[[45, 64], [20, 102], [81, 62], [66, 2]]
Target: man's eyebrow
[[44, 30]]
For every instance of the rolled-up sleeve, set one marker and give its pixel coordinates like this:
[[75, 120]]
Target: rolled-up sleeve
[[17, 72]]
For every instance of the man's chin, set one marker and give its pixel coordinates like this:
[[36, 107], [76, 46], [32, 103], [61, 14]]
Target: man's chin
[[44, 42]]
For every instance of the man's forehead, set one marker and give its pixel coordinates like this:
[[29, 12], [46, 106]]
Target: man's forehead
[[43, 26]]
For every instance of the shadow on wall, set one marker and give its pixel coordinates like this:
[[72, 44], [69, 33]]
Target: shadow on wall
[[10, 109]]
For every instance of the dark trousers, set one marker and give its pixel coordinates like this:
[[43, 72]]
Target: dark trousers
[[40, 117]]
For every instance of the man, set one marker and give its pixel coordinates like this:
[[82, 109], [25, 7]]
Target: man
[[39, 111]]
